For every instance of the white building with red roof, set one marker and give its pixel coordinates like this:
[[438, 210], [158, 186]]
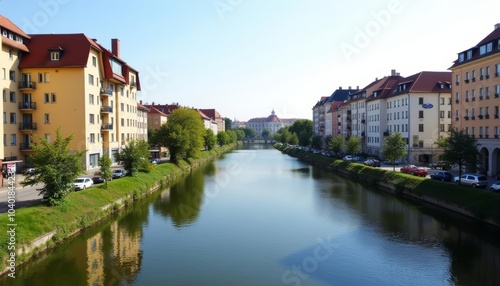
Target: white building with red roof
[[272, 123]]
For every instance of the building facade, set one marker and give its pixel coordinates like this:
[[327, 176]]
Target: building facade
[[271, 123], [476, 97]]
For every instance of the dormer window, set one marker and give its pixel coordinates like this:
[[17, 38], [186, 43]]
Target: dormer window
[[11, 36], [489, 47], [461, 57], [469, 54], [55, 56], [4, 33]]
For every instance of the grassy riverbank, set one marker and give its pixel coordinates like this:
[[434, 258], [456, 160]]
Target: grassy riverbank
[[84, 208], [476, 203]]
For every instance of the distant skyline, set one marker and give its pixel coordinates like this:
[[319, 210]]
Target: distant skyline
[[246, 58]]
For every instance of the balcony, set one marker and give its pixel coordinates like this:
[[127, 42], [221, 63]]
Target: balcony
[[480, 97], [457, 101], [133, 84], [456, 118], [106, 126], [363, 121], [27, 106], [338, 123], [10, 158], [497, 95], [487, 116], [27, 126], [348, 111], [466, 117], [480, 116], [473, 117], [362, 133], [106, 109], [466, 81], [25, 146], [27, 85], [496, 116], [473, 79], [481, 77], [473, 99], [106, 91], [467, 100], [386, 133]]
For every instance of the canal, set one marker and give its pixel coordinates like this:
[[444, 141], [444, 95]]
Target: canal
[[258, 217]]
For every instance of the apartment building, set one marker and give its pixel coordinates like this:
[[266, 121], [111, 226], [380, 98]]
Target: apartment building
[[142, 122], [419, 107], [476, 97], [272, 123], [12, 83], [323, 118], [215, 116]]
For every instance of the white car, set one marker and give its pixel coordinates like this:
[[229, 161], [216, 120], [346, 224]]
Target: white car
[[495, 187], [82, 183]]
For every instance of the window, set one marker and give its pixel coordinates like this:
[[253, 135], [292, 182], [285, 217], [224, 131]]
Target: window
[[53, 97], [420, 128], [441, 100], [466, 76], [40, 77], [461, 57], [91, 79], [10, 54], [449, 113], [5, 117], [94, 61], [473, 75], [46, 118], [12, 96], [4, 95], [497, 70], [441, 127], [420, 100], [123, 122], [4, 73], [487, 72], [47, 137], [92, 138], [420, 114], [122, 106], [489, 47], [54, 56], [91, 119], [12, 75], [46, 77], [121, 91], [91, 99], [4, 139], [12, 118], [481, 73], [13, 140], [441, 114], [469, 54], [46, 98], [482, 50]]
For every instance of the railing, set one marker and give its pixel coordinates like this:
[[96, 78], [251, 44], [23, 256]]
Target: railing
[[107, 126], [27, 126], [27, 85], [133, 83], [107, 109], [27, 105], [25, 146], [106, 91]]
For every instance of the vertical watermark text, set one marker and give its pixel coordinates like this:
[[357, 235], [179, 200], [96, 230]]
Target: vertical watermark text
[[11, 223]]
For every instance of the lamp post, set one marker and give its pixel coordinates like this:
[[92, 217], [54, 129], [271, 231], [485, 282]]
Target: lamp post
[[432, 150]]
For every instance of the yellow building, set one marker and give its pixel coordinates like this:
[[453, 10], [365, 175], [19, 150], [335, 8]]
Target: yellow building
[[476, 97], [13, 48]]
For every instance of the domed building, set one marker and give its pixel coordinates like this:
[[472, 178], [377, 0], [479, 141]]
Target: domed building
[[272, 123]]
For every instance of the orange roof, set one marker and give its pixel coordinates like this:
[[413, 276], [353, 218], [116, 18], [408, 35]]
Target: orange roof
[[7, 24]]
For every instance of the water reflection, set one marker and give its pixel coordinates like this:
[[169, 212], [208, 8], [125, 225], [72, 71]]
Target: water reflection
[[185, 199]]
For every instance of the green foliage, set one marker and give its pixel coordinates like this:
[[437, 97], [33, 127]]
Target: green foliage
[[227, 123], [105, 166], [249, 132], [394, 148], [335, 143], [209, 139], [223, 138], [353, 145], [56, 167], [317, 142], [266, 133], [304, 130], [240, 134], [182, 134], [461, 149], [134, 155], [232, 136], [294, 139]]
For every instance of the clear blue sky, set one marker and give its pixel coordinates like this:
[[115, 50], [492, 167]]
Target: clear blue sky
[[247, 57]]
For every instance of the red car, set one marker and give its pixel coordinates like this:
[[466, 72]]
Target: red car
[[414, 170]]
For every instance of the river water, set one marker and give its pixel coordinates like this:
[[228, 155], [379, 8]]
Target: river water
[[258, 217]]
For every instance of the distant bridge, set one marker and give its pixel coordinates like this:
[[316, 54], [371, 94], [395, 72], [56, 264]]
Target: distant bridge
[[260, 140]]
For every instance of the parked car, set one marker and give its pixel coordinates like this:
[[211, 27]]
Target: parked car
[[29, 171], [154, 161], [440, 165], [82, 183], [473, 180], [98, 179], [347, 158], [372, 162], [119, 173], [442, 176], [495, 187], [359, 159], [414, 170]]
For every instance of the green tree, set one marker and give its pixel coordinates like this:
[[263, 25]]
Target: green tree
[[293, 139], [353, 145], [56, 167], [461, 149], [232, 136], [283, 135], [182, 134], [304, 130], [335, 143], [134, 155], [227, 123], [394, 148], [223, 138], [249, 132], [317, 142], [266, 133], [105, 167], [209, 139], [240, 134]]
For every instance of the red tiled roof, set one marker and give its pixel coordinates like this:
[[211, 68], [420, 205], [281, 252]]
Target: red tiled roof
[[154, 110], [425, 81], [75, 49], [14, 44], [212, 113], [385, 86], [7, 24]]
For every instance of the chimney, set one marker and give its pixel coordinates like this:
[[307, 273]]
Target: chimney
[[115, 47], [497, 25], [340, 87], [349, 87], [153, 103], [393, 72], [357, 86], [140, 101]]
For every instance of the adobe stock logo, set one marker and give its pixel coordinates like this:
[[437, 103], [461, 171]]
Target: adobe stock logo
[[224, 6], [364, 36]]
